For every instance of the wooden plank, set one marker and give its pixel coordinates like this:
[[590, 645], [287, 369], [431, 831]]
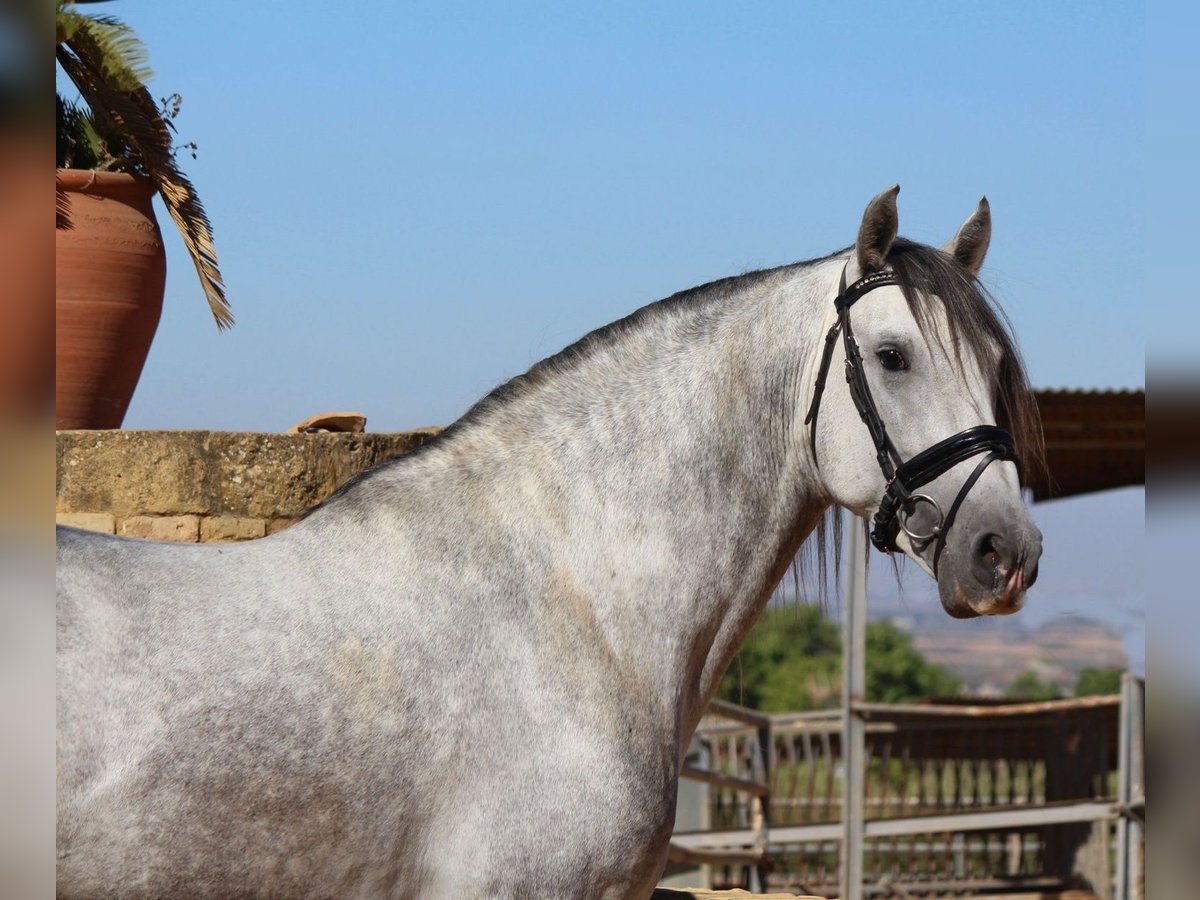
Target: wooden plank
[[714, 839], [727, 710], [705, 894], [732, 856], [1025, 817], [985, 711], [753, 788]]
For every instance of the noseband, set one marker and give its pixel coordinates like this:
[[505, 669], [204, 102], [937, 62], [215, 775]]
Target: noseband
[[904, 478]]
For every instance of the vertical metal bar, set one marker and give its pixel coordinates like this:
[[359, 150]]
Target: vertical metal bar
[[1130, 788], [1124, 741], [764, 771], [1137, 787], [854, 682], [830, 766], [811, 763]]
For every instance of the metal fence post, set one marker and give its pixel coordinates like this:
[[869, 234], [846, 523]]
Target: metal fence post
[[854, 683], [765, 774], [1130, 790]]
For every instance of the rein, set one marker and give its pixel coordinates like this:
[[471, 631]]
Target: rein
[[904, 477]]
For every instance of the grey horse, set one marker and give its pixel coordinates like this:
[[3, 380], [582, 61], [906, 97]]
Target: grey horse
[[474, 670]]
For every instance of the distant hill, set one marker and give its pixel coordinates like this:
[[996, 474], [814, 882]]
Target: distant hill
[[997, 650]]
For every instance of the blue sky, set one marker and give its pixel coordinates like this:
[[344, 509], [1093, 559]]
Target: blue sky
[[413, 203]]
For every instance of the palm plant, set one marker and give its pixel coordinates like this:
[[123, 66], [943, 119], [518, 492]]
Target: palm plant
[[123, 129]]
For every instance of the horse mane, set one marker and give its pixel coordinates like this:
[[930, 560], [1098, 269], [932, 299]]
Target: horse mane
[[975, 321], [710, 294]]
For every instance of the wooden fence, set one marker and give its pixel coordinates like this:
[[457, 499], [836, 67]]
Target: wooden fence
[[978, 798]]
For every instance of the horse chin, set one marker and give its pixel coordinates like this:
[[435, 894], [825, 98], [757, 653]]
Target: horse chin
[[961, 603], [955, 603]]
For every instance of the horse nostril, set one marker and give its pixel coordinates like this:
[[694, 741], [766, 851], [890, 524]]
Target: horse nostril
[[1032, 576], [988, 552], [993, 556]]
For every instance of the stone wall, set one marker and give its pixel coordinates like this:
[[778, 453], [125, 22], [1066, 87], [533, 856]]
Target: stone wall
[[207, 485]]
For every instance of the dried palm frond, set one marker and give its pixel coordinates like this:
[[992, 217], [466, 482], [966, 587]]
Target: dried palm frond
[[62, 210], [107, 63]]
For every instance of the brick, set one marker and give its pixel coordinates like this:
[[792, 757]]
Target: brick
[[277, 525], [105, 523], [216, 529], [162, 528]]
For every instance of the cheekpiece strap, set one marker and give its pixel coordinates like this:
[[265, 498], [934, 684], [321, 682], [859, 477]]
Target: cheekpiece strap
[[846, 298]]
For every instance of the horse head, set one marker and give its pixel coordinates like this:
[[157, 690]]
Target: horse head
[[934, 375]]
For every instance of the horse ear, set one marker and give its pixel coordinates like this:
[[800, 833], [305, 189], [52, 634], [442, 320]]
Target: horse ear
[[970, 245], [877, 232]]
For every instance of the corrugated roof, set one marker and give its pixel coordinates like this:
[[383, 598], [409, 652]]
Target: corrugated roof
[[1095, 441]]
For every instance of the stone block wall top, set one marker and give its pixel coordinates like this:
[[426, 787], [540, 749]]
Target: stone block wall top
[[102, 522], [219, 473]]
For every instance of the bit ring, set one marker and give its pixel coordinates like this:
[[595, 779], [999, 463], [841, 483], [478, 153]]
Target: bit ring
[[906, 511]]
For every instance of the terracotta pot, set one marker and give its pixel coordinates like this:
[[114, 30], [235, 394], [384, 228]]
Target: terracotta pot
[[110, 273], [27, 264]]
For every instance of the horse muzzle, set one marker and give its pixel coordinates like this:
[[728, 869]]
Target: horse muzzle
[[986, 570]]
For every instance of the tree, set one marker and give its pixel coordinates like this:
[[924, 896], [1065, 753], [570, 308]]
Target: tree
[[792, 661], [1098, 681], [1028, 686], [898, 673]]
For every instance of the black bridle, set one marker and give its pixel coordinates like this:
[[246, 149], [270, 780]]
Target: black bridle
[[904, 478]]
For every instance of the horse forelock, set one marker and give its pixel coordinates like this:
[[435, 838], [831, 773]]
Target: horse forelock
[[978, 325]]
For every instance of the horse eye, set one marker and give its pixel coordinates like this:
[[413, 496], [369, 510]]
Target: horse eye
[[892, 359]]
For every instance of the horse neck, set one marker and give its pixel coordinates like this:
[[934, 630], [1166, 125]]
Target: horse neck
[[658, 484]]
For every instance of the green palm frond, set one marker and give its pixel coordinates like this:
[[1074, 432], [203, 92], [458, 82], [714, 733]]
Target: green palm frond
[[76, 138], [107, 64], [108, 44]]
